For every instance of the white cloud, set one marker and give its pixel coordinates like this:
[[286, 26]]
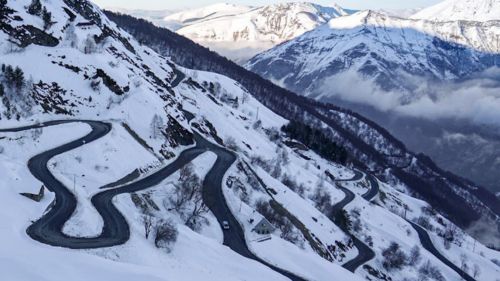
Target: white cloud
[[476, 100]]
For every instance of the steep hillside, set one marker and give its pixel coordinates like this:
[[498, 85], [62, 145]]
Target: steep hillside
[[365, 148]]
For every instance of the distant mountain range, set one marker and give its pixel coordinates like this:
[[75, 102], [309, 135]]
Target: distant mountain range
[[384, 49], [416, 69], [240, 32]]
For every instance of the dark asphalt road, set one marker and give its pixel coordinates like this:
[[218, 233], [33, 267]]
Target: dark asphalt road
[[364, 252], [374, 188], [213, 195], [429, 246], [48, 229]]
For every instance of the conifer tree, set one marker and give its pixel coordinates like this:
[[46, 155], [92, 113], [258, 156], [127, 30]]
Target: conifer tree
[[35, 8]]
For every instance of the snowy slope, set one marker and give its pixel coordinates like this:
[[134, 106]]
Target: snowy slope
[[84, 67], [115, 80], [467, 10], [240, 32]]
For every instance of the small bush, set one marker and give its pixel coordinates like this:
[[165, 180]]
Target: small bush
[[394, 257], [429, 272], [424, 222], [321, 199], [165, 234], [231, 143], [415, 256]]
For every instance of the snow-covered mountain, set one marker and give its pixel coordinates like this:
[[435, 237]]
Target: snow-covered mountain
[[383, 48], [417, 68], [413, 68], [154, 171], [467, 10], [154, 16], [192, 16], [240, 32]]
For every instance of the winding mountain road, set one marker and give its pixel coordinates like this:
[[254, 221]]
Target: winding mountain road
[[426, 241], [48, 229], [365, 253], [374, 188]]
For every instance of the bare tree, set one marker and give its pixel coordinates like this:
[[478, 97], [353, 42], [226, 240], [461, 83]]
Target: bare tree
[[156, 126], [70, 36], [244, 97], [415, 256], [186, 172], [428, 271], [147, 222], [321, 199], [394, 257], [195, 217], [463, 263], [165, 234], [89, 45], [476, 271], [231, 143]]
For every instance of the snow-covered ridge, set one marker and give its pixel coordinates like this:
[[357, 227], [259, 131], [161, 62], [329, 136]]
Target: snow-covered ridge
[[240, 32], [275, 23], [377, 44], [206, 13], [468, 10]]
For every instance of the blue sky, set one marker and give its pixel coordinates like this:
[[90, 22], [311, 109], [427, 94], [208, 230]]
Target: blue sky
[[176, 4]]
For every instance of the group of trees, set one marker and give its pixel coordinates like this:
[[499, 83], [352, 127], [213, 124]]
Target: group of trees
[[316, 140], [430, 272], [396, 258], [321, 198], [282, 159], [15, 92], [37, 9], [4, 10], [293, 185], [452, 234], [475, 271], [187, 198], [164, 231], [13, 77]]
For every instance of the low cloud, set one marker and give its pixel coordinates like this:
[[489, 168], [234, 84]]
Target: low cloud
[[476, 99]]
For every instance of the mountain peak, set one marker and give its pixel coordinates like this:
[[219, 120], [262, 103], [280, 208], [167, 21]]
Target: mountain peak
[[469, 10]]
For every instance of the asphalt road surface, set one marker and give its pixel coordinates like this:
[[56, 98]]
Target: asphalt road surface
[[427, 244], [48, 229], [374, 188], [364, 252]]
